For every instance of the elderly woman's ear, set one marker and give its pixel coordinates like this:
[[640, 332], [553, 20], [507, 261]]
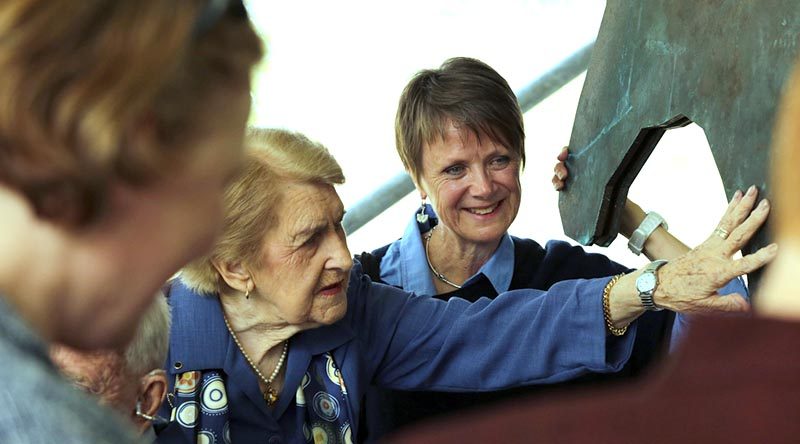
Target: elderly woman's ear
[[235, 275]]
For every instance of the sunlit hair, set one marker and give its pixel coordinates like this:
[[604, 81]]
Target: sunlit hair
[[148, 349], [786, 161], [77, 78], [466, 92], [253, 201]]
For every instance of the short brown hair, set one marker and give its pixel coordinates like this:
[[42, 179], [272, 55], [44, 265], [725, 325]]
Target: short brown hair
[[465, 91], [76, 77], [252, 200]]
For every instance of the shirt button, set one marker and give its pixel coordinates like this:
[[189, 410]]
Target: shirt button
[[275, 440]]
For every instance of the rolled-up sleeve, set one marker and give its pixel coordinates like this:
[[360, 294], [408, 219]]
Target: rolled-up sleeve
[[520, 337]]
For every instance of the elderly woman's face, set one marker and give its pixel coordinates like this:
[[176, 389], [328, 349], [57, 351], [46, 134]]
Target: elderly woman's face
[[305, 264], [473, 185]]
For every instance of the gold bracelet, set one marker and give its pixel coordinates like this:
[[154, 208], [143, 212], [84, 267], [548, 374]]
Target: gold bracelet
[[607, 309]]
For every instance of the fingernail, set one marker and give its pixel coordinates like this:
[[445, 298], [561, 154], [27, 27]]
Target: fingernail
[[763, 204], [560, 175], [751, 190], [737, 194], [773, 248]]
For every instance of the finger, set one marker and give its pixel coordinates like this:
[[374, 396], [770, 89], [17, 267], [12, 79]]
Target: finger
[[558, 184], [740, 210], [742, 233], [737, 196], [562, 156], [561, 171], [754, 261]]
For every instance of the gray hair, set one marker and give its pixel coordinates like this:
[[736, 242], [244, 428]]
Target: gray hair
[[148, 349]]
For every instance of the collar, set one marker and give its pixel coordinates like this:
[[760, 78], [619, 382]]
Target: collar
[[199, 339], [405, 264]]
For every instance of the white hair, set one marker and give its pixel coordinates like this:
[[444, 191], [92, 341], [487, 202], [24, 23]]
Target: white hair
[[148, 349]]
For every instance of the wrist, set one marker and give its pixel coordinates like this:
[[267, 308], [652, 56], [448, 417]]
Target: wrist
[[624, 304]]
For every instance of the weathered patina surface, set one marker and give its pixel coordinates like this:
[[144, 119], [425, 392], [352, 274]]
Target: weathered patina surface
[[661, 64]]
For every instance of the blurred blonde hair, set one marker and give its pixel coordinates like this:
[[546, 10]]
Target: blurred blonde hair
[[786, 161], [78, 77], [253, 200]]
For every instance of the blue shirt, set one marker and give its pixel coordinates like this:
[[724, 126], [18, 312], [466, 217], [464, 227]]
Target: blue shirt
[[405, 265], [397, 340]]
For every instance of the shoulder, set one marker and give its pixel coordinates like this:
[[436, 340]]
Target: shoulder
[[40, 407]]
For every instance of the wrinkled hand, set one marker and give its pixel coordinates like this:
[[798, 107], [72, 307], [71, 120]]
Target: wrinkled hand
[[689, 283], [560, 171]]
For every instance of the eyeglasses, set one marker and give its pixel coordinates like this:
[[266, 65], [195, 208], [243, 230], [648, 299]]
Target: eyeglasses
[[214, 11]]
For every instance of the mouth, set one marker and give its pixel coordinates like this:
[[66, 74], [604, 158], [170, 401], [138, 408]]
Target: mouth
[[485, 211], [332, 289]]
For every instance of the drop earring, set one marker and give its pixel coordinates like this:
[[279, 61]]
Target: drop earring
[[247, 294], [422, 216]]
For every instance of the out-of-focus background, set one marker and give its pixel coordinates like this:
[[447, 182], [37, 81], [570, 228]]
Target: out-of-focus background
[[335, 70]]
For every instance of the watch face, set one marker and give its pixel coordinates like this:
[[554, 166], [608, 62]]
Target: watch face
[[646, 282]]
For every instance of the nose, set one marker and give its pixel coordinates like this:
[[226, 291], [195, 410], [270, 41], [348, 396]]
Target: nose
[[482, 184], [339, 257]]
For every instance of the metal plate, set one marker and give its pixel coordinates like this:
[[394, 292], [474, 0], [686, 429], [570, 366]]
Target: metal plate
[[662, 64]]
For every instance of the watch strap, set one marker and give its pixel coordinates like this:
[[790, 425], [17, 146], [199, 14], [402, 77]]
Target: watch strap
[[649, 224], [647, 296]]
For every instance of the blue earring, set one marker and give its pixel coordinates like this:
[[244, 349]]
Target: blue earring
[[422, 217]]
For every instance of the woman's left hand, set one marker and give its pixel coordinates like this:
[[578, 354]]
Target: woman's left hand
[[560, 171]]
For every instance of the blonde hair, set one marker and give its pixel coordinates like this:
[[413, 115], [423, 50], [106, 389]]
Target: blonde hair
[[253, 200], [786, 160], [78, 77]]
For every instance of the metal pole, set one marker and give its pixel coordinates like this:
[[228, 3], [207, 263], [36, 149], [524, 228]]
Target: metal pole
[[401, 185]]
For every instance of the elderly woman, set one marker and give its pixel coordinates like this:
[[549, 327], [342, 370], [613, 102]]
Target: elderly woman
[[130, 380], [460, 135], [114, 158], [276, 334]]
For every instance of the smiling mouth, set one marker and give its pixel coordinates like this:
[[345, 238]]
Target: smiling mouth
[[485, 210]]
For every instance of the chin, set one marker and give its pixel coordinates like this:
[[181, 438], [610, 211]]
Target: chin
[[334, 313]]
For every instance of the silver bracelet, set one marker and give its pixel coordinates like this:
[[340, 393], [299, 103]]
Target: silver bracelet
[[652, 221]]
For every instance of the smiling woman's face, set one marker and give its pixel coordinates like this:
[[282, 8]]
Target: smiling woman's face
[[304, 264], [473, 184]]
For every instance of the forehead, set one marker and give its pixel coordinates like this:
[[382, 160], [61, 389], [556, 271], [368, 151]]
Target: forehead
[[307, 204], [458, 141]]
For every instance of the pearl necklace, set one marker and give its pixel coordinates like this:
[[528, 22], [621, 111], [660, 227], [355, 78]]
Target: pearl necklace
[[430, 265], [270, 395]]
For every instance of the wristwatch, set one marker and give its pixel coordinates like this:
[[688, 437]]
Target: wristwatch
[[646, 285], [645, 229]]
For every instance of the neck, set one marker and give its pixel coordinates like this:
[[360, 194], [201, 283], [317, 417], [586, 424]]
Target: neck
[[262, 339], [457, 258]]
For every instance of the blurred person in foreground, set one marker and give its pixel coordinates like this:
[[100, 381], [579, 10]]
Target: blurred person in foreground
[[733, 380], [131, 380], [277, 333], [113, 159]]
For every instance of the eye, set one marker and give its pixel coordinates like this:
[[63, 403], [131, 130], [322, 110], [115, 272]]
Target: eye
[[500, 161], [455, 170], [312, 240]]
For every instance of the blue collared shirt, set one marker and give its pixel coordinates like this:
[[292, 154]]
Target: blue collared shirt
[[406, 266], [395, 340]]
